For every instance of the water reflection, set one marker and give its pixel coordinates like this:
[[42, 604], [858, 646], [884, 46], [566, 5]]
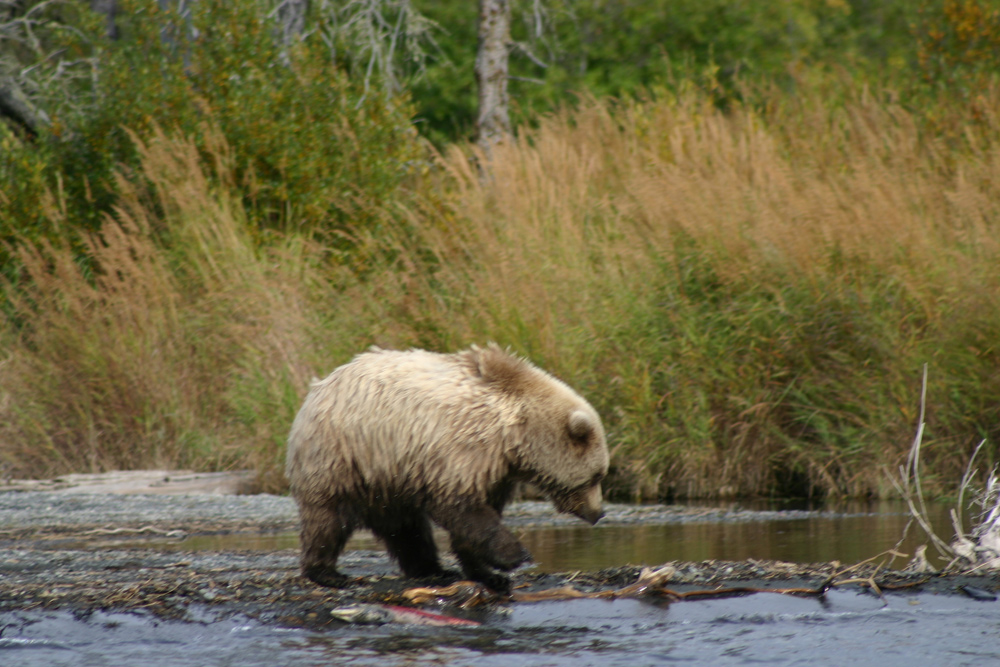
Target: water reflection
[[846, 533], [847, 539]]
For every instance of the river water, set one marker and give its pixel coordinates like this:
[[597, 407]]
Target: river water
[[847, 626], [848, 532]]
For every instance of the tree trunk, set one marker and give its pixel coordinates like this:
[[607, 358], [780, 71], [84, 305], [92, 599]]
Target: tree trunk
[[292, 16], [493, 122], [108, 9]]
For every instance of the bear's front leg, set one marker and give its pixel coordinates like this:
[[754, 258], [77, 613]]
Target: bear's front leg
[[409, 539], [480, 542]]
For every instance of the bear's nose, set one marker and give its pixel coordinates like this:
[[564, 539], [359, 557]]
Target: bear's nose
[[590, 516], [588, 505]]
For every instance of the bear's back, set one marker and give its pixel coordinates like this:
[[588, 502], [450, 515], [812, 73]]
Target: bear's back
[[391, 418]]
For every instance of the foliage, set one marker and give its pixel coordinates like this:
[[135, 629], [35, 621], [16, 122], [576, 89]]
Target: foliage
[[563, 49], [958, 54], [186, 343], [747, 298], [311, 148], [962, 39]]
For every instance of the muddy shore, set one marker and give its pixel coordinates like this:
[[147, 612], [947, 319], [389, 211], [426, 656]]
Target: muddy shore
[[89, 552]]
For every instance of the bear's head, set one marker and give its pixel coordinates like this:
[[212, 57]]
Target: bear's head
[[556, 439]]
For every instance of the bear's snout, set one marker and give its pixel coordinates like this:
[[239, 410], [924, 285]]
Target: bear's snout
[[586, 503]]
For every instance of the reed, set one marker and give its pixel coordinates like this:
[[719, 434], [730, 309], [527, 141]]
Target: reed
[[179, 341], [746, 296]]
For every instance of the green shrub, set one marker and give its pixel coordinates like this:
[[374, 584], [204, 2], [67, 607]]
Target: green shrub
[[186, 343], [747, 298], [612, 48], [311, 149]]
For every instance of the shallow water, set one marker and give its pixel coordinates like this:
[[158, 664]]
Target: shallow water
[[848, 627], [848, 533], [848, 539]]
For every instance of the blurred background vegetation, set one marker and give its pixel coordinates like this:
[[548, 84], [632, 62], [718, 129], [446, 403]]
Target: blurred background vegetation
[[739, 228]]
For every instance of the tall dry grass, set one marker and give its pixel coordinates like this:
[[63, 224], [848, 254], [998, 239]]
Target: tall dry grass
[[747, 296], [180, 341]]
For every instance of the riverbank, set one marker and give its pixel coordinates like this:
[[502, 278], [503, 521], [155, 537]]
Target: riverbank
[[104, 579], [84, 552]]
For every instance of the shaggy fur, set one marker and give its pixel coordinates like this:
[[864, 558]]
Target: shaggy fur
[[393, 440]]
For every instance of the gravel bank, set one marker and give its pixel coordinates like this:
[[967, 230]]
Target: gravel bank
[[44, 566]]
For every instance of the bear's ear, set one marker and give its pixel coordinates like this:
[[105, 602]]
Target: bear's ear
[[580, 426], [499, 368]]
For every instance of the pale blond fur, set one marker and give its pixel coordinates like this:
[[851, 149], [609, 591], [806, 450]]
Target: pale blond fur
[[442, 427]]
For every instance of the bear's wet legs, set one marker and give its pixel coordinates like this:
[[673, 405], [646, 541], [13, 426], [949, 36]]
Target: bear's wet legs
[[325, 530], [481, 542], [409, 539]]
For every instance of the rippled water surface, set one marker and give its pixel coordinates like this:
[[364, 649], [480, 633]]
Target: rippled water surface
[[847, 538], [848, 627]]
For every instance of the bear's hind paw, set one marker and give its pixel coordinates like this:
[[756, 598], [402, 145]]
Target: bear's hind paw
[[327, 577]]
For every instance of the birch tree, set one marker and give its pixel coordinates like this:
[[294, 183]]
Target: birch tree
[[492, 118]]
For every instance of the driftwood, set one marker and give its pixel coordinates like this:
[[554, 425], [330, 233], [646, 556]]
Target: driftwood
[[651, 583], [158, 482]]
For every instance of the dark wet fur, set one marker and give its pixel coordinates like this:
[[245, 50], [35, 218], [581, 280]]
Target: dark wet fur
[[479, 540]]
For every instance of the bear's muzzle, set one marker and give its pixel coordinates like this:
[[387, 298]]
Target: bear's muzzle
[[586, 503]]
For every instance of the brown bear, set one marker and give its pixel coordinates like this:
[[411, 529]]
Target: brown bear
[[393, 440]]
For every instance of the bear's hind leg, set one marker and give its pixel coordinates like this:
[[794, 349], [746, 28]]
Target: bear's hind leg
[[410, 540], [325, 530]]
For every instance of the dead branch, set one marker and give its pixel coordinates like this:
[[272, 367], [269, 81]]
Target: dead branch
[[968, 551], [650, 583]]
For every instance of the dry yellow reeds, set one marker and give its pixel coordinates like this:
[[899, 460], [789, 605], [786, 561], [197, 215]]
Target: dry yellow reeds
[[746, 296], [130, 356]]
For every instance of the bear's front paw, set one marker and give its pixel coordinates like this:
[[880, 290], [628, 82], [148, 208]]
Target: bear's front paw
[[496, 582], [510, 556]]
